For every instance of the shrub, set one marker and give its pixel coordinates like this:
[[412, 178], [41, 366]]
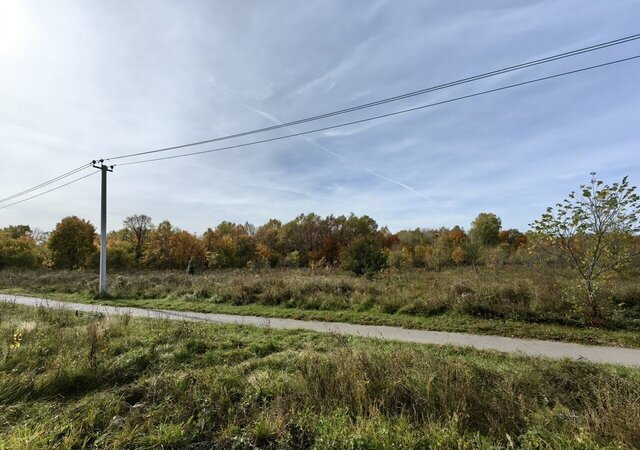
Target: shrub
[[19, 252], [496, 257], [364, 256]]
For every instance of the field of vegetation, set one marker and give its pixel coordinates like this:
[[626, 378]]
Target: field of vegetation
[[72, 381], [84, 381], [512, 301]]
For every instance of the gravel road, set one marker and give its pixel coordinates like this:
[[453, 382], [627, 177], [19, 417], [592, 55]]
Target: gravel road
[[528, 347]]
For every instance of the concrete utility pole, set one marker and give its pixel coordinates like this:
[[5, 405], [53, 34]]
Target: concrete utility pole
[[103, 225]]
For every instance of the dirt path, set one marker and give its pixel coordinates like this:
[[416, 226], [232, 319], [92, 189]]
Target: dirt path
[[529, 347]]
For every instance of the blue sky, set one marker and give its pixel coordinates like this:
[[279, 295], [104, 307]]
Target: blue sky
[[87, 79]]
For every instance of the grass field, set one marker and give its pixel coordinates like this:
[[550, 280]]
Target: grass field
[[514, 301], [74, 381]]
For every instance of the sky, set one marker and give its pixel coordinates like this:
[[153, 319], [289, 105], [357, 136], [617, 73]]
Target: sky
[[88, 79]]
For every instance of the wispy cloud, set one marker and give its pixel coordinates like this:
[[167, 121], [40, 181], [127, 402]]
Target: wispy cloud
[[85, 83], [325, 149]]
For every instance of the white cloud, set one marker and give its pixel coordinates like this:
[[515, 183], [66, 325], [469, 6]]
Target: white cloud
[[95, 79]]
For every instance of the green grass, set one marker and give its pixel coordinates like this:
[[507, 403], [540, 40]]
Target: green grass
[[85, 381], [514, 302]]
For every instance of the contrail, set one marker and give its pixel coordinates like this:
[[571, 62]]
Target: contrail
[[339, 156], [399, 183]]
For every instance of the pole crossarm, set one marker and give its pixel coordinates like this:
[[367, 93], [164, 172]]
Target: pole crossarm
[[101, 166]]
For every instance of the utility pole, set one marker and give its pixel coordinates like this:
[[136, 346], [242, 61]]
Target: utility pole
[[103, 224]]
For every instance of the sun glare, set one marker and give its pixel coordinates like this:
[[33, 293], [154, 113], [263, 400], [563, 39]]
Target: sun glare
[[13, 27]]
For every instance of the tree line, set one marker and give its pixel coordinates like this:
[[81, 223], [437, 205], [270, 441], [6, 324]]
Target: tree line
[[595, 231], [357, 243]]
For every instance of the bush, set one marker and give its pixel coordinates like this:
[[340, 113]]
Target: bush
[[364, 256], [496, 257], [19, 252]]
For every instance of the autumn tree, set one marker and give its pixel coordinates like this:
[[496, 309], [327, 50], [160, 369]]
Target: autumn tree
[[457, 255], [268, 242], [72, 243], [593, 229], [319, 241], [158, 254], [485, 229], [184, 246], [267, 234], [513, 238], [457, 237]]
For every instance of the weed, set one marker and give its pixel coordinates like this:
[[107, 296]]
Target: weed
[[153, 384], [511, 300]]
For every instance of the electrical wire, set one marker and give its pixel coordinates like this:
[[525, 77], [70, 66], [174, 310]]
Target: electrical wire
[[339, 112], [46, 183], [381, 116], [493, 73], [50, 190]]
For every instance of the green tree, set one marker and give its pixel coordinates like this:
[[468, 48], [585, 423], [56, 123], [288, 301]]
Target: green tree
[[138, 228], [473, 253], [594, 230], [364, 256], [246, 250], [17, 231], [72, 243], [222, 253], [230, 245], [485, 229], [21, 251], [354, 227], [120, 252]]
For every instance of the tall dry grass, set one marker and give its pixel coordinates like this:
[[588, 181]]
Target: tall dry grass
[[515, 293], [90, 381]]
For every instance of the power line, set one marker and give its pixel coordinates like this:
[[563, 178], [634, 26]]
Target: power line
[[381, 116], [46, 183], [395, 98], [50, 190], [466, 80]]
